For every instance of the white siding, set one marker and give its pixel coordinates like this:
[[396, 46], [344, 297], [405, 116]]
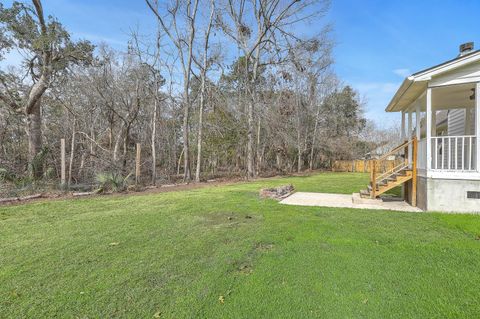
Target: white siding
[[456, 122], [456, 127]]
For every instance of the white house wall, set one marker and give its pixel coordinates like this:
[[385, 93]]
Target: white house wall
[[456, 122]]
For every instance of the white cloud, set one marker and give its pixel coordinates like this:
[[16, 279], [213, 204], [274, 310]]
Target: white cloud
[[402, 72]]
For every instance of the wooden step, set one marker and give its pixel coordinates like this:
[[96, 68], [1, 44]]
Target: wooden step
[[391, 185], [389, 182]]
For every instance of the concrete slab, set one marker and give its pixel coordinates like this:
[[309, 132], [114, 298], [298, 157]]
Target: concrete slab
[[346, 201]]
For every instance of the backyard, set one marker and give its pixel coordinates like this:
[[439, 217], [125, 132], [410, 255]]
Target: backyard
[[221, 252]]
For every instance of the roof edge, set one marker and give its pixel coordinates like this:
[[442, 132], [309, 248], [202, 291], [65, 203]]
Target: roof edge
[[400, 92]]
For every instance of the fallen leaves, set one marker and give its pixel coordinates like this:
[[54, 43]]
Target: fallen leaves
[[114, 244], [157, 314], [221, 299]]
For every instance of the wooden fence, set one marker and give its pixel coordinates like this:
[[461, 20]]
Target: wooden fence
[[363, 166]]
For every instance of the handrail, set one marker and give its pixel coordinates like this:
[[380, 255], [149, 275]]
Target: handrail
[[373, 174], [396, 169], [396, 149]]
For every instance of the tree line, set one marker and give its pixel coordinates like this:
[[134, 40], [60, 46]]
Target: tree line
[[218, 88]]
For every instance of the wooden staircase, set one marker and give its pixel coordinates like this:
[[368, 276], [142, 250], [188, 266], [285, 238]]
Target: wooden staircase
[[406, 170]]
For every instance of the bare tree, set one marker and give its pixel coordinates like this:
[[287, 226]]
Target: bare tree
[[273, 21], [204, 67], [184, 42]]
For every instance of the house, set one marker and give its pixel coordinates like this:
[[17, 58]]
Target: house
[[440, 111]]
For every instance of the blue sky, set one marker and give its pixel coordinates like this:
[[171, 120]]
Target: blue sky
[[378, 42]]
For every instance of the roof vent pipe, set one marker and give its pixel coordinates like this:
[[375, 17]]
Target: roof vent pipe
[[466, 48]]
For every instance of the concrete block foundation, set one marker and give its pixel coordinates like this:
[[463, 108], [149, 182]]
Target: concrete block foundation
[[448, 195]]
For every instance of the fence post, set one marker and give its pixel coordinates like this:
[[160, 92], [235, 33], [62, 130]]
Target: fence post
[[137, 164], [62, 164]]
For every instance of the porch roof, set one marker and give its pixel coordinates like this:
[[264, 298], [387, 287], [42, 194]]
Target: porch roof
[[452, 72]]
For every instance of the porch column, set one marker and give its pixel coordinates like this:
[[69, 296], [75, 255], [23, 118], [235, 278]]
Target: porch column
[[410, 126], [477, 125], [409, 135], [434, 122], [429, 129], [402, 134], [418, 123]]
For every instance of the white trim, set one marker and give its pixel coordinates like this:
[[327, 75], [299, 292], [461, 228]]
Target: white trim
[[417, 120], [427, 75], [439, 174], [410, 126], [413, 84], [409, 136], [477, 124], [429, 128], [402, 135]]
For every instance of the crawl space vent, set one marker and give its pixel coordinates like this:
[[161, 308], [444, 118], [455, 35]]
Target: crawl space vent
[[475, 195]]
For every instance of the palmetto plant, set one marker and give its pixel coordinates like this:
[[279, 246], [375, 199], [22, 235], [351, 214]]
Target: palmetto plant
[[112, 182]]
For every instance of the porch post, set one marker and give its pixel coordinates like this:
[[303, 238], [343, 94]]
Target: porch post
[[403, 127], [477, 125], [429, 129], [409, 135], [409, 127], [417, 120], [434, 122]]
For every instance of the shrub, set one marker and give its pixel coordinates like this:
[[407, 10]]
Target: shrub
[[112, 182], [6, 176]]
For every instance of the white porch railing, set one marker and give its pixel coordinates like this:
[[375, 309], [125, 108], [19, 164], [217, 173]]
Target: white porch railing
[[451, 153]]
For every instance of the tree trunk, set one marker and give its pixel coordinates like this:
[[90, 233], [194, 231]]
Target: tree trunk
[[200, 129], [34, 132], [314, 137], [186, 154], [259, 155], [250, 167], [72, 151], [202, 93], [153, 138], [299, 134]]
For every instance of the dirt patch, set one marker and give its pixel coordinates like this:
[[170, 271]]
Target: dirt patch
[[227, 219], [263, 247], [245, 266]]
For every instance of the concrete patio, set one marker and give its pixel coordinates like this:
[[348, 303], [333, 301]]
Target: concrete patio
[[347, 201]]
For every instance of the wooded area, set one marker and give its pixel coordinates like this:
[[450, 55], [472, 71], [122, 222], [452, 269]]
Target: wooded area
[[229, 87]]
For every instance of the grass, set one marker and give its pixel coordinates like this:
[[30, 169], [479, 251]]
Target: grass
[[180, 254]]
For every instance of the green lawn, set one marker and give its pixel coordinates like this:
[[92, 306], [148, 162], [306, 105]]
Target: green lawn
[[175, 255]]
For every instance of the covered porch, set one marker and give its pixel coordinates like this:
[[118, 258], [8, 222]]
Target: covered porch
[[445, 121], [440, 111]]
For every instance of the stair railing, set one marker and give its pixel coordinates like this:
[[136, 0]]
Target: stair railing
[[376, 174]]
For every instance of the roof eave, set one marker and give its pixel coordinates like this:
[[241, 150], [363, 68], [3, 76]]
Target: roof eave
[[400, 92], [426, 75]]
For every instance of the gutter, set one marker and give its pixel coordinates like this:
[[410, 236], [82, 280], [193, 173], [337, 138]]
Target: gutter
[[396, 97]]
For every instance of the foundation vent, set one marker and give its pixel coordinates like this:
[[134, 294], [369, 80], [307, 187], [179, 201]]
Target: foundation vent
[[474, 195]]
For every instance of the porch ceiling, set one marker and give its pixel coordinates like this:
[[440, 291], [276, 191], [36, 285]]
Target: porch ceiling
[[443, 98], [408, 93], [451, 82], [451, 97]]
